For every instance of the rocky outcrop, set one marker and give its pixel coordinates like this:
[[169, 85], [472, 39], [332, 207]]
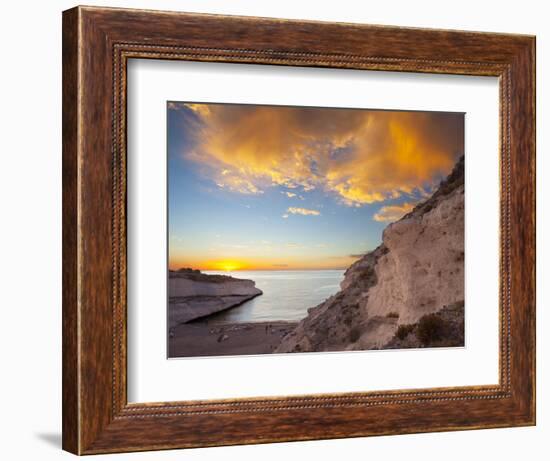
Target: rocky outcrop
[[416, 271], [193, 295]]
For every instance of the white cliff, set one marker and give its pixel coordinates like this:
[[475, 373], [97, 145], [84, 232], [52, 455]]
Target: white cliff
[[193, 295], [423, 268], [414, 276]]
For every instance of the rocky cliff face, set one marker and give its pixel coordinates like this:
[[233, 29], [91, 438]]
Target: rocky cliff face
[[193, 295], [418, 270]]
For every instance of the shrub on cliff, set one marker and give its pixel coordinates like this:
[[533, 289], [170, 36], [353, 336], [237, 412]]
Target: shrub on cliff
[[431, 328], [403, 331]]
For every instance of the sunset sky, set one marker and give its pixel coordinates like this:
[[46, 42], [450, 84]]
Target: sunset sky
[[269, 187]]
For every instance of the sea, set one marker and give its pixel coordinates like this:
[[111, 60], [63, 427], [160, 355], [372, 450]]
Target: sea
[[287, 295]]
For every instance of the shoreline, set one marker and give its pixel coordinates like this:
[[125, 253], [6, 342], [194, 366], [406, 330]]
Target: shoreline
[[202, 338]]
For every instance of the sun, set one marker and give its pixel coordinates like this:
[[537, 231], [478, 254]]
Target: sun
[[227, 265], [230, 267]]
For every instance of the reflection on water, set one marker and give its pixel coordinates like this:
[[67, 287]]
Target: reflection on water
[[287, 294]]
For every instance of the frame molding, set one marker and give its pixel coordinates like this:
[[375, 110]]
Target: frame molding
[[97, 43]]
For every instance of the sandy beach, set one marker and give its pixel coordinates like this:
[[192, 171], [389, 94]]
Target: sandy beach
[[203, 338]]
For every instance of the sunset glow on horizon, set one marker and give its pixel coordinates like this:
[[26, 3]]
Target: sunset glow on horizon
[[255, 187]]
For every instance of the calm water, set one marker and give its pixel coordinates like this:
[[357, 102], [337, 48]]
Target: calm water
[[287, 294]]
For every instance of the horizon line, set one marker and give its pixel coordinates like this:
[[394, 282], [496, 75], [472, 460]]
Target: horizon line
[[264, 270]]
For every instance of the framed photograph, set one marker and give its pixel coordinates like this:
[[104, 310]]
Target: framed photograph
[[295, 200], [280, 230]]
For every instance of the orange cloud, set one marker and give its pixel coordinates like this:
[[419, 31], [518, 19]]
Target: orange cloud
[[391, 213], [360, 156]]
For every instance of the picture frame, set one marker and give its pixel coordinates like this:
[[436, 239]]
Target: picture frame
[[97, 45]]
